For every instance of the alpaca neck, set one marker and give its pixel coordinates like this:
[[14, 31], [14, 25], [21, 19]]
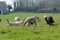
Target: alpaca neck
[[23, 19], [8, 21]]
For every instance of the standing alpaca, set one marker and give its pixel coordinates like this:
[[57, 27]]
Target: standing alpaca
[[49, 20], [30, 21]]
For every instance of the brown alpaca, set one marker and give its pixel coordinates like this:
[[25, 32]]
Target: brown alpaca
[[30, 21]]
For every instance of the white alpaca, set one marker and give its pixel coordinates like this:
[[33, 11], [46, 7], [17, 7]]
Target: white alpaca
[[14, 23], [30, 20]]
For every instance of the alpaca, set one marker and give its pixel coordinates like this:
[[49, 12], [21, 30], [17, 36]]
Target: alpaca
[[49, 20], [14, 23], [30, 21]]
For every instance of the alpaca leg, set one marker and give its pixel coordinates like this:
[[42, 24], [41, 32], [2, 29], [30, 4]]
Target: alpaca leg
[[25, 23], [34, 23]]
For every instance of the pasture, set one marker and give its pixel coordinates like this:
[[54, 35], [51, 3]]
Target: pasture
[[41, 32]]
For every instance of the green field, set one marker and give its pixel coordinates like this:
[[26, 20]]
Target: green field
[[41, 32]]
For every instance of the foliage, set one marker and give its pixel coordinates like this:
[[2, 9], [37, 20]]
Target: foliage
[[55, 9], [37, 5]]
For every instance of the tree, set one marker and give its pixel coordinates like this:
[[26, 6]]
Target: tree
[[55, 9]]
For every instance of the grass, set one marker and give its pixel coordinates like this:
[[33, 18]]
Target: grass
[[42, 32]]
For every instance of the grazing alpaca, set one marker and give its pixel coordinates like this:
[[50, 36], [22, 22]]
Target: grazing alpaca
[[14, 23], [17, 19], [30, 21], [49, 20]]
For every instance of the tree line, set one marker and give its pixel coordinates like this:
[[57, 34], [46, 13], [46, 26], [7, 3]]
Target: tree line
[[37, 5]]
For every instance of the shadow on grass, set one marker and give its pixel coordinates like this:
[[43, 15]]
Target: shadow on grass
[[4, 32]]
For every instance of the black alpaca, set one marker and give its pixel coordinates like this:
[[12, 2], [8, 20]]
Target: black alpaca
[[49, 20]]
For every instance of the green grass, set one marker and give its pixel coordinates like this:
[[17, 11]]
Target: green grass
[[42, 32]]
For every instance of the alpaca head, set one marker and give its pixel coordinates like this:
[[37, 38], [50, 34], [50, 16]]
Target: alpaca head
[[17, 19], [8, 22], [36, 17], [45, 16]]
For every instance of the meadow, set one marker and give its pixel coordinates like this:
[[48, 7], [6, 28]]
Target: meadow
[[41, 32]]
